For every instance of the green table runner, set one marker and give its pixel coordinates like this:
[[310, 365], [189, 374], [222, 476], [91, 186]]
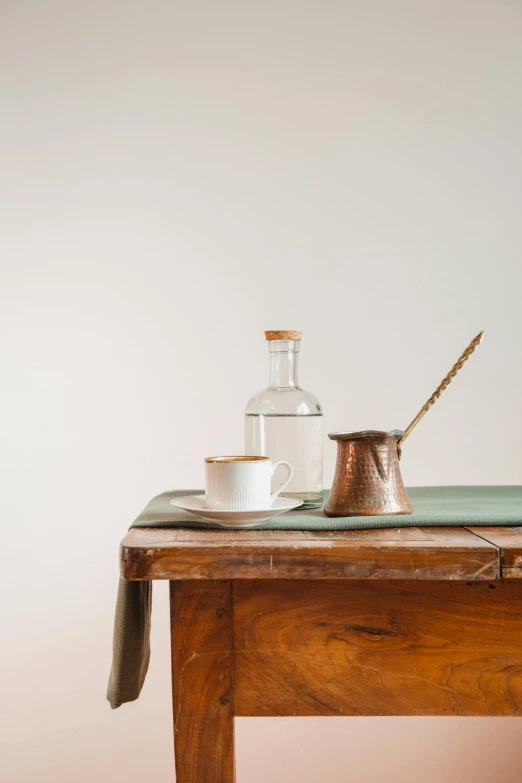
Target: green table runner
[[432, 507]]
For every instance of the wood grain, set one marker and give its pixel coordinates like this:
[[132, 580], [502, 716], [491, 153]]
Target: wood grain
[[378, 648], [509, 542], [407, 553], [202, 681]]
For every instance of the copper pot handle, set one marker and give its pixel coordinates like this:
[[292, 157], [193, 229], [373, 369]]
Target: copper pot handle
[[463, 358]]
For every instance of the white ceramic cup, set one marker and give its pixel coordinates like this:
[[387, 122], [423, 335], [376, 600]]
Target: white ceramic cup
[[241, 483]]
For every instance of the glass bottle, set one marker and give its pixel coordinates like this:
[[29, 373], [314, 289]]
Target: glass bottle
[[285, 422]]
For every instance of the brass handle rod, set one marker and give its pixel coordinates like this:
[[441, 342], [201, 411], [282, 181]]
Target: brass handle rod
[[446, 382]]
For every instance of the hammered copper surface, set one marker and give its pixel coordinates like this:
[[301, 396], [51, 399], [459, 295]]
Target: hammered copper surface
[[367, 479]]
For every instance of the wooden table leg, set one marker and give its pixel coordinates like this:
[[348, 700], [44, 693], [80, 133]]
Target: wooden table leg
[[202, 680]]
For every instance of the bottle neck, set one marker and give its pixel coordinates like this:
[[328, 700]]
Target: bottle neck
[[284, 363]]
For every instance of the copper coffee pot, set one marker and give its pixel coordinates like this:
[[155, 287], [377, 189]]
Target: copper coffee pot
[[368, 479]]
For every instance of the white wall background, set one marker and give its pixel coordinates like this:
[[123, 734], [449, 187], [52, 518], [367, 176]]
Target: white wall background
[[175, 178]]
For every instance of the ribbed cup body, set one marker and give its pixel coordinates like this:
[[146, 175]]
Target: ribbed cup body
[[238, 486]]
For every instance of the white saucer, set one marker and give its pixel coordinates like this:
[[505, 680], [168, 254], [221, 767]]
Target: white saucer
[[195, 504]]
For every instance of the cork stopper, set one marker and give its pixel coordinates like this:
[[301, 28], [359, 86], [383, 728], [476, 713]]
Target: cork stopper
[[288, 335]]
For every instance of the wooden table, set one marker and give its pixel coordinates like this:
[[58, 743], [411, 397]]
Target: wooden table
[[412, 621]]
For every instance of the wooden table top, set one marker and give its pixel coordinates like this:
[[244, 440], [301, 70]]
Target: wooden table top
[[432, 553]]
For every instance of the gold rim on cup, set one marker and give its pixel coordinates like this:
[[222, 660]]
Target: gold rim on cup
[[238, 458]]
